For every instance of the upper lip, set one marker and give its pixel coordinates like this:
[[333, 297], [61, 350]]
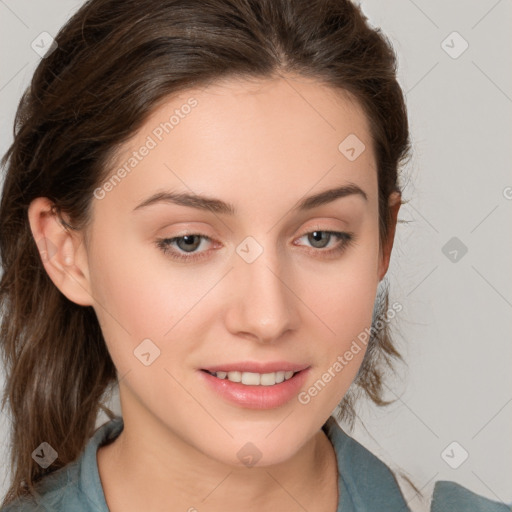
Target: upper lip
[[256, 367]]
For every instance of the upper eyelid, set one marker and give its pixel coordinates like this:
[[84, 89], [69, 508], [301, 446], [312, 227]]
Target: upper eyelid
[[333, 232], [343, 240], [210, 238], [310, 229]]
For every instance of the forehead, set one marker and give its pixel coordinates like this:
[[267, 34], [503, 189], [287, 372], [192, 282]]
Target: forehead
[[246, 138], [283, 109]]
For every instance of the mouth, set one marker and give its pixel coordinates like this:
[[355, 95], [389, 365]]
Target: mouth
[[253, 378], [256, 386]]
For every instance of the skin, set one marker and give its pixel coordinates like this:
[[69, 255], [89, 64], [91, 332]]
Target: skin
[[261, 145]]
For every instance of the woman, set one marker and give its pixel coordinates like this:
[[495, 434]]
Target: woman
[[200, 204]]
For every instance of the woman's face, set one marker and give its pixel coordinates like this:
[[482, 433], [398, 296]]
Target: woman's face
[[258, 285]]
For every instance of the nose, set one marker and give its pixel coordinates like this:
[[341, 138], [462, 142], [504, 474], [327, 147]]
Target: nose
[[263, 305]]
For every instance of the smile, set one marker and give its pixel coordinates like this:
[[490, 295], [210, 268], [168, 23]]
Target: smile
[[254, 379]]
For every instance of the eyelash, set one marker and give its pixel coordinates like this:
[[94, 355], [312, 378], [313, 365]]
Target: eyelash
[[346, 240]]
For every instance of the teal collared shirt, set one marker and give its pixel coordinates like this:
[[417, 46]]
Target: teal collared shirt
[[365, 483]]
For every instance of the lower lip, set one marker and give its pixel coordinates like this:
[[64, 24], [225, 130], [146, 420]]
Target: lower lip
[[256, 397]]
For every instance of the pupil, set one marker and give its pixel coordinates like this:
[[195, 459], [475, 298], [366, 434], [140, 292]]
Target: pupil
[[189, 241], [317, 235]]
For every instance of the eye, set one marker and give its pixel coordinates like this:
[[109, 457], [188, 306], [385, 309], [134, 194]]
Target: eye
[[185, 247], [321, 238], [187, 243]]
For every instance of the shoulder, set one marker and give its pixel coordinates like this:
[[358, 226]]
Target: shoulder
[[368, 483], [53, 492], [76, 486], [452, 497], [364, 480]]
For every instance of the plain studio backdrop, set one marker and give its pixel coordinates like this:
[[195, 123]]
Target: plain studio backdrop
[[450, 266]]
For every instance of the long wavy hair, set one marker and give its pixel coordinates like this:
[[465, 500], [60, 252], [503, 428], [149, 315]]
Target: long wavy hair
[[114, 62]]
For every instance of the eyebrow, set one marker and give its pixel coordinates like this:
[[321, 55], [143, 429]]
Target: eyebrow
[[218, 206]]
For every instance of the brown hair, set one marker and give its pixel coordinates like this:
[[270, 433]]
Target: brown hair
[[116, 60]]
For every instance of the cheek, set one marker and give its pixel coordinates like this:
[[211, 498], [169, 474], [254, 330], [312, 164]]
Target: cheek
[[344, 301], [132, 284], [344, 294], [142, 296], [134, 300], [348, 314]]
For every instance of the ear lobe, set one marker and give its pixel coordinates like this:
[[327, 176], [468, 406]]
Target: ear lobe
[[62, 252], [394, 203]]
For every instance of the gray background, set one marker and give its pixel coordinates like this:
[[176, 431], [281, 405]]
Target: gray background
[[455, 327]]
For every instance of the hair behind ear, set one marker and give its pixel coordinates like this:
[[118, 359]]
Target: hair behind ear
[[56, 362]]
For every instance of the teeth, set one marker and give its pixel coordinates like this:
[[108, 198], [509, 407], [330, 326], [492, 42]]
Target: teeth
[[235, 376], [251, 379], [267, 379], [255, 379]]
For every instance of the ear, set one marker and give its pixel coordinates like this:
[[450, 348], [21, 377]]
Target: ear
[[394, 203], [62, 251]]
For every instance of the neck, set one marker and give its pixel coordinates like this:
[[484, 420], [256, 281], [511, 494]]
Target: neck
[[142, 471]]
